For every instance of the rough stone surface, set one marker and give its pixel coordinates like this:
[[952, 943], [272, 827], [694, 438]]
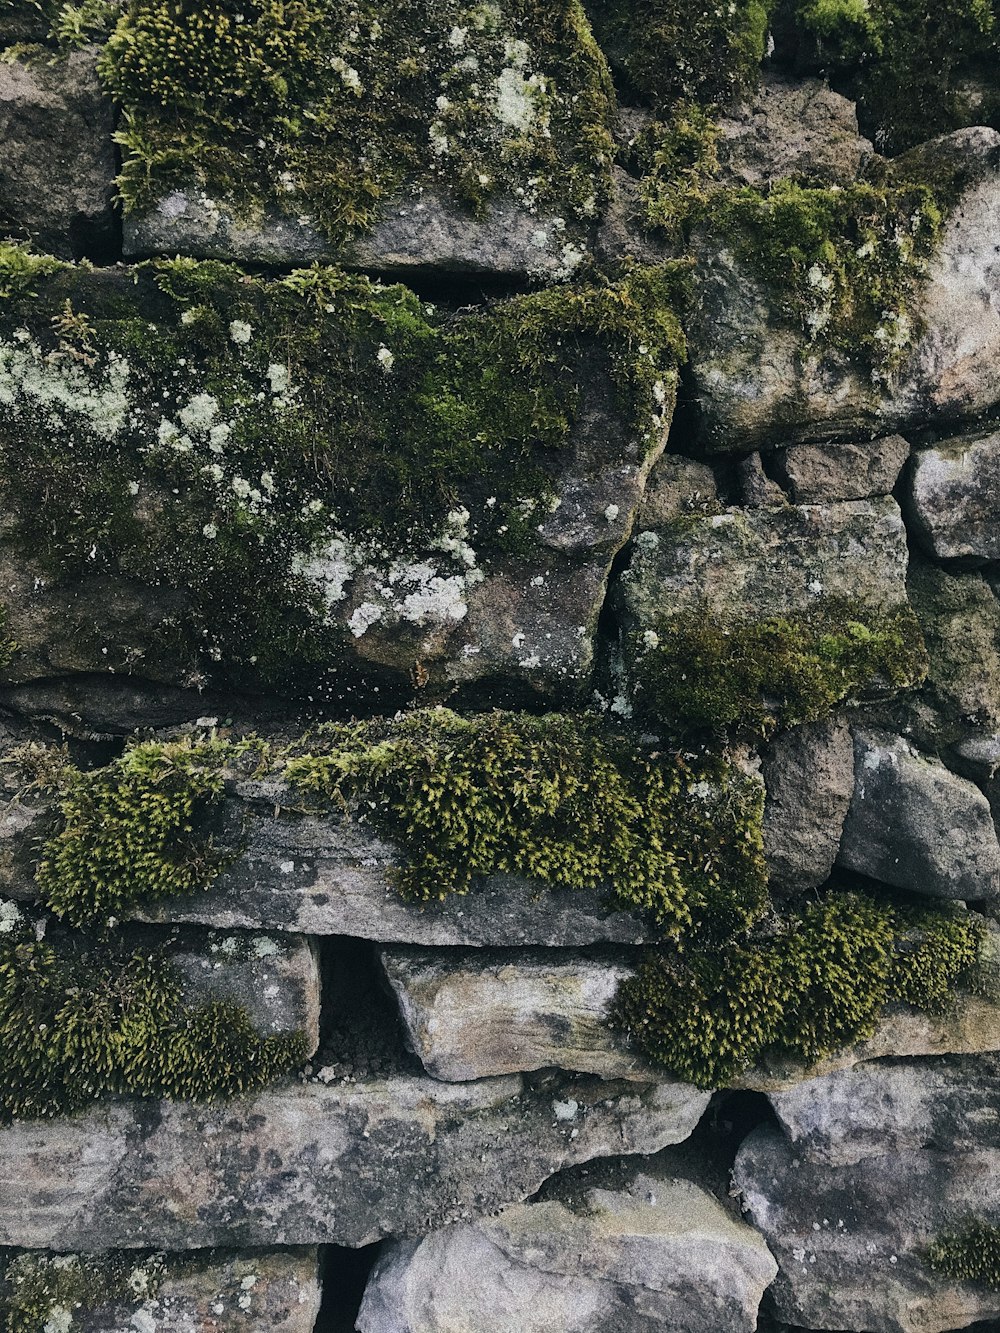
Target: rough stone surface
[[954, 498], [677, 486], [913, 824], [248, 1292], [474, 1015], [314, 1164], [661, 1254], [765, 562], [809, 776], [792, 128], [58, 168], [849, 1240], [819, 473]]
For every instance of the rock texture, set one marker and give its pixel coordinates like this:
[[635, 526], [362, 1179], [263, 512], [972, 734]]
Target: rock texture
[[818, 473], [661, 1254], [952, 495], [314, 1164], [914, 824]]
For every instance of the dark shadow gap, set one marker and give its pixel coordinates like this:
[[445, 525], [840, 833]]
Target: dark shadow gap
[[345, 1275]]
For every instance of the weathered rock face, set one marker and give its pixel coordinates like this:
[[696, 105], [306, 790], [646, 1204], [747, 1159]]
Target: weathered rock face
[[849, 1240], [314, 1164], [818, 473], [57, 176], [244, 1292], [662, 1253], [914, 824], [952, 495], [809, 776]]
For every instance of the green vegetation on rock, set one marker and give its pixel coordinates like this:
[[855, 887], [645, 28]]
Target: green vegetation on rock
[[319, 108], [244, 447], [699, 671], [969, 1254], [815, 983], [47, 1291], [31, 28], [80, 1020]]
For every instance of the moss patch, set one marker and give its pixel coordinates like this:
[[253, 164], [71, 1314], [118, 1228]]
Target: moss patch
[[326, 109], [81, 1020], [969, 1254], [246, 446], [47, 1291], [33, 27], [817, 984], [756, 675]]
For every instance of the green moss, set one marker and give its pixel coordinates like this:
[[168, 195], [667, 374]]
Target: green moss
[[216, 437], [669, 50], [80, 1020], [907, 62], [21, 270], [844, 264], [136, 829], [756, 675], [677, 162], [555, 800], [34, 28], [328, 109], [816, 984], [45, 1291], [969, 1254]]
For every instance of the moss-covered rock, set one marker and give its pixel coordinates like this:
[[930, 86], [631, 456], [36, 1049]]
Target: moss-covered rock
[[970, 1254], [214, 476]]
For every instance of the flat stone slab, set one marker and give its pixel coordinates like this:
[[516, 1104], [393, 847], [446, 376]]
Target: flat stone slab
[[241, 1292], [850, 1240], [953, 493], [659, 1254], [313, 1164]]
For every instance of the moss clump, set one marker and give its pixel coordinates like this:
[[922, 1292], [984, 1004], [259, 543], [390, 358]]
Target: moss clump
[[670, 50], [676, 161], [969, 1254], [907, 63], [326, 109], [816, 985], [757, 675], [556, 801], [47, 1290], [844, 264], [32, 28], [21, 269], [245, 447], [134, 830], [80, 1021]]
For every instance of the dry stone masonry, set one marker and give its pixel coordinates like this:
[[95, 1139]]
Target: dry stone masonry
[[499, 666]]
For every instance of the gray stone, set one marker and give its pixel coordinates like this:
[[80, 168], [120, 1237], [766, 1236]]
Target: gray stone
[[677, 486], [954, 498], [243, 1292], [314, 1164], [792, 127], [414, 235], [474, 1015], [895, 1106], [915, 825], [850, 1240], [57, 174], [659, 1254], [819, 473], [759, 563], [757, 490], [809, 776]]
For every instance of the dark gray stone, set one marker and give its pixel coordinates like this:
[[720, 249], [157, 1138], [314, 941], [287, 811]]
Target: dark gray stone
[[809, 776], [820, 473]]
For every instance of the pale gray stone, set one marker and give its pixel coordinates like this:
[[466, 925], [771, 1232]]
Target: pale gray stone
[[820, 473], [914, 824], [954, 498], [245, 1292], [312, 1164], [659, 1254], [850, 1240], [809, 776], [57, 172]]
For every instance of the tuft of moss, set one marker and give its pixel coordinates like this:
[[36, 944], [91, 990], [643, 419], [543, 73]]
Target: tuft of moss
[[81, 1020], [677, 162], [969, 1254], [844, 264], [46, 1291], [671, 50], [556, 800], [758, 675], [21, 269], [133, 830], [329, 109], [817, 984]]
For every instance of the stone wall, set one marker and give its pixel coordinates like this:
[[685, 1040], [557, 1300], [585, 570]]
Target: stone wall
[[499, 666]]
